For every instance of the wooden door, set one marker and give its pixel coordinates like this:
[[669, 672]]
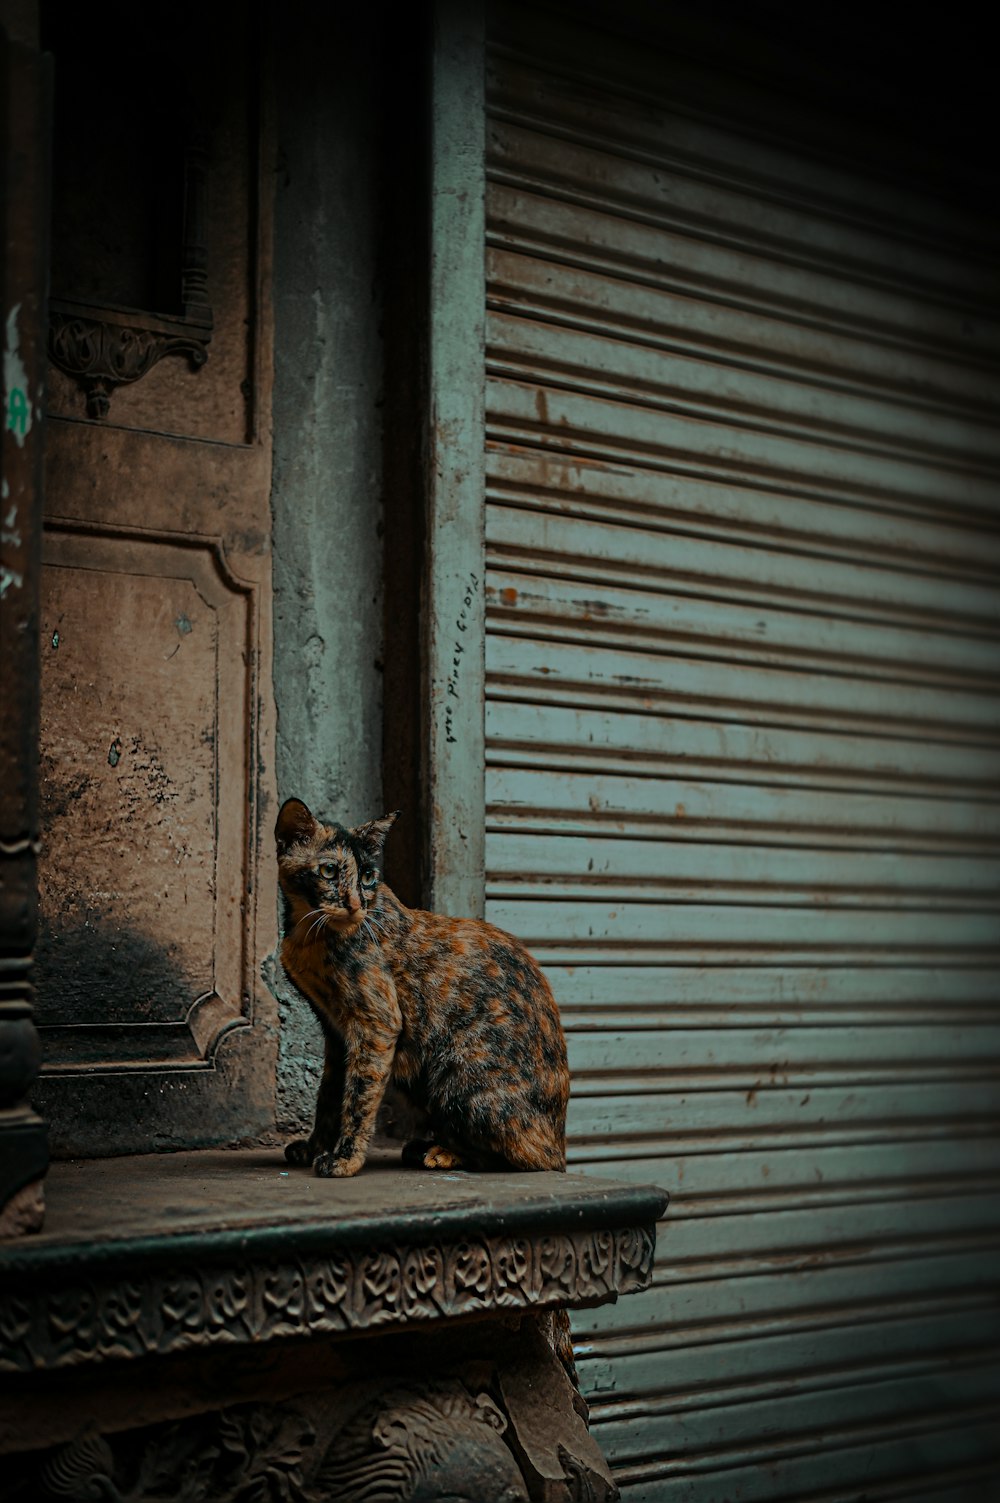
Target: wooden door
[[156, 736]]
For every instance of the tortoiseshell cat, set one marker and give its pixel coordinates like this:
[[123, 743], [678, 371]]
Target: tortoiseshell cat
[[454, 1011]]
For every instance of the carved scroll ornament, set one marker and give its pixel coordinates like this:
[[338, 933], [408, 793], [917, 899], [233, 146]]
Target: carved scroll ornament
[[437, 1444], [102, 349], [55, 1326], [421, 1445], [252, 1454], [446, 1440]]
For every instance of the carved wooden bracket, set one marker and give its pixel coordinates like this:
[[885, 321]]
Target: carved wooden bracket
[[104, 348]]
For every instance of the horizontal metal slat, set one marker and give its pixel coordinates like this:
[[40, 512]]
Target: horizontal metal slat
[[613, 363], [646, 556], [786, 523], [633, 1076], [602, 1154], [922, 1424], [637, 678], [963, 1484], [655, 122], [756, 1117], [783, 994], [567, 866], [966, 1482], [766, 894], [665, 747], [531, 596], [741, 805], [716, 1180], [760, 1300], [562, 925], [881, 881], [564, 422], [528, 213], [681, 196], [547, 289], [539, 675], [975, 1372], [760, 1367], [727, 1359], [772, 1055]]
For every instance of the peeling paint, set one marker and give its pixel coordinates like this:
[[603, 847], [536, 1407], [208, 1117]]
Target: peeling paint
[[11, 535], [15, 381]]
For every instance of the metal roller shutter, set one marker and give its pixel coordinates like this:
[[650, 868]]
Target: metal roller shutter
[[742, 725]]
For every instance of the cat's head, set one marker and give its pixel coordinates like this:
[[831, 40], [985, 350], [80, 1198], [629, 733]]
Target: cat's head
[[326, 871]]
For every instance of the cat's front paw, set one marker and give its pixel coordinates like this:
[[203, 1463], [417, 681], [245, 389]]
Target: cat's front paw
[[328, 1166], [300, 1152]]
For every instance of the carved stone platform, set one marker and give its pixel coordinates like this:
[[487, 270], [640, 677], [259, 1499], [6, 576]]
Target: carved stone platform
[[220, 1326]]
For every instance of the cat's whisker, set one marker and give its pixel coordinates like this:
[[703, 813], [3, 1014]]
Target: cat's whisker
[[320, 923]]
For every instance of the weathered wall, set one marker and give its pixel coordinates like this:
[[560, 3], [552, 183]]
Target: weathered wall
[[327, 451]]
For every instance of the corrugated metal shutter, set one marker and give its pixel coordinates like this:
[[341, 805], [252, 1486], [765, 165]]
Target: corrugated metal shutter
[[742, 728]]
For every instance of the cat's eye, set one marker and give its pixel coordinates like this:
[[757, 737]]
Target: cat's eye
[[328, 869], [369, 879]]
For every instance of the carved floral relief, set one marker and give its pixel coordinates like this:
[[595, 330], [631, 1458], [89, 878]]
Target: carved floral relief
[[445, 1441], [390, 1285]]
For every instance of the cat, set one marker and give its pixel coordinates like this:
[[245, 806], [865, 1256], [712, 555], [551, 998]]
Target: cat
[[455, 1012]]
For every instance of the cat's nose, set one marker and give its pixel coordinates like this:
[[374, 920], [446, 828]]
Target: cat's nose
[[353, 904]]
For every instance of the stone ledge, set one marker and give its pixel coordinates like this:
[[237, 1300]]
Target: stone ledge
[[166, 1253]]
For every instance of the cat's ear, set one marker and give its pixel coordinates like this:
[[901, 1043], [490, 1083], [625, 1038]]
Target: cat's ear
[[294, 823], [371, 837]]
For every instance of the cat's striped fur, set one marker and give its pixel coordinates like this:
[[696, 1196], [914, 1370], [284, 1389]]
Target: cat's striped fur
[[455, 1012]]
